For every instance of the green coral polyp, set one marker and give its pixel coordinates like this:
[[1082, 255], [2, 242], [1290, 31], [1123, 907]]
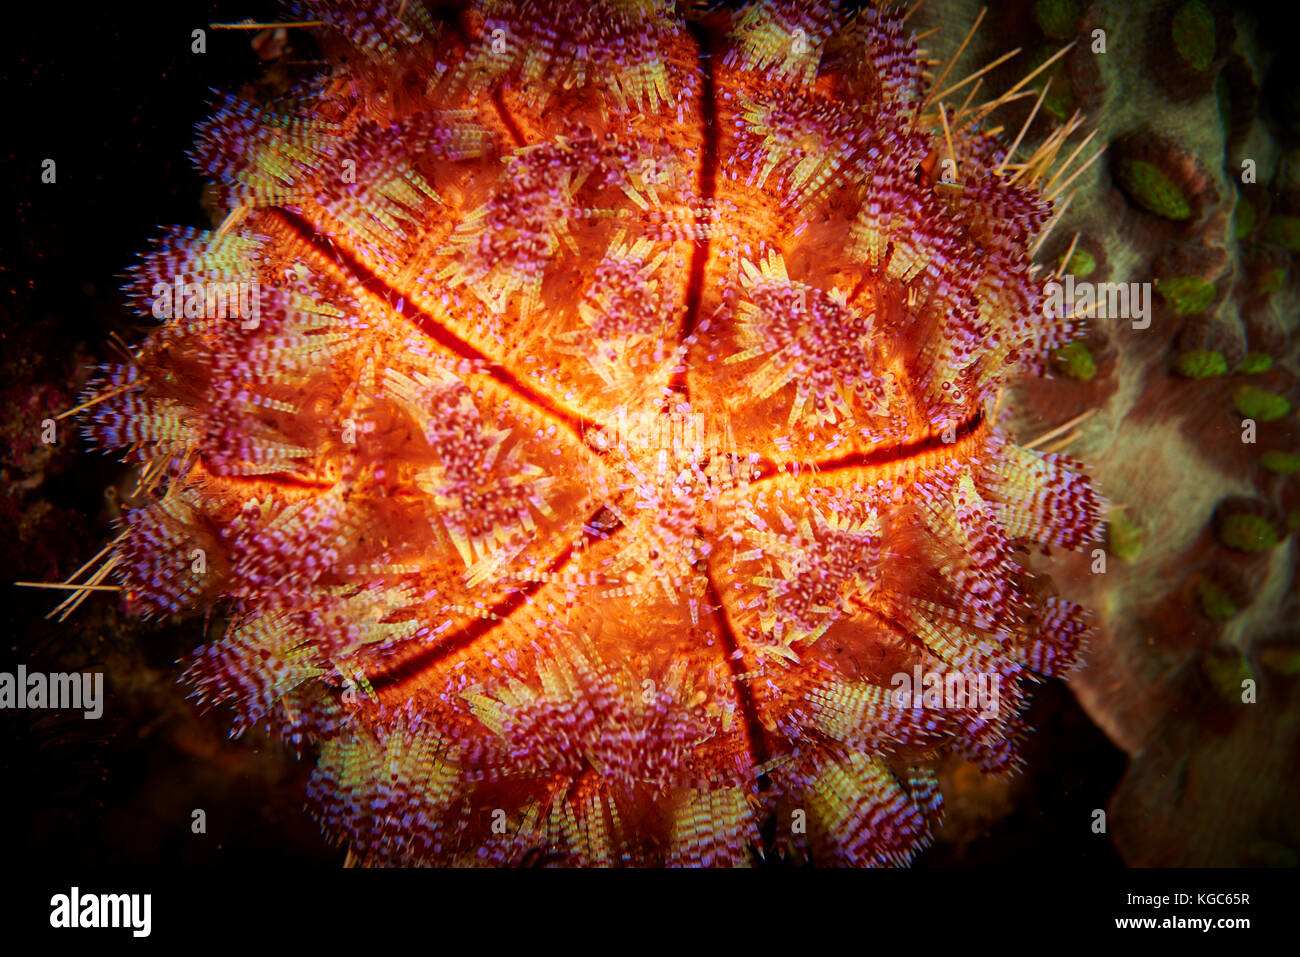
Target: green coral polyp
[[1255, 362], [1272, 280], [1186, 294], [1153, 190], [1059, 101], [1248, 533], [1285, 231], [1215, 601], [1282, 660], [1246, 218], [1193, 33], [1075, 361], [1056, 18], [1226, 670], [1283, 463], [1124, 538], [1257, 404], [1201, 364], [1082, 264]]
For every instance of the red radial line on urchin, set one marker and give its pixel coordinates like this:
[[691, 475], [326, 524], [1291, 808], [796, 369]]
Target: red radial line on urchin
[[467, 35], [708, 186], [281, 480], [498, 615], [879, 456], [375, 284], [507, 119], [755, 733]]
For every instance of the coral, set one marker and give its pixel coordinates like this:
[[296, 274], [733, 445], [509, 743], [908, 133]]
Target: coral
[[1283, 230], [1216, 602], [1246, 219], [1152, 189], [1075, 361], [1060, 100], [612, 425], [1125, 538], [1056, 18], [1253, 363], [1247, 533], [1193, 34], [1279, 462], [1186, 293], [1255, 403], [1201, 364], [1189, 43], [1081, 263], [1199, 162], [1225, 669], [1283, 463], [1271, 281]]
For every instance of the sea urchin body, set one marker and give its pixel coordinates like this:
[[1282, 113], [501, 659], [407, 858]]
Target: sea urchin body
[[612, 428]]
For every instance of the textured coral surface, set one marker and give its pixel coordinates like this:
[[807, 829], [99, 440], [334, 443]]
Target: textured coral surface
[[1189, 423], [616, 422]]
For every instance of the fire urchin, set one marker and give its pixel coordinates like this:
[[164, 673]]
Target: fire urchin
[[613, 424]]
